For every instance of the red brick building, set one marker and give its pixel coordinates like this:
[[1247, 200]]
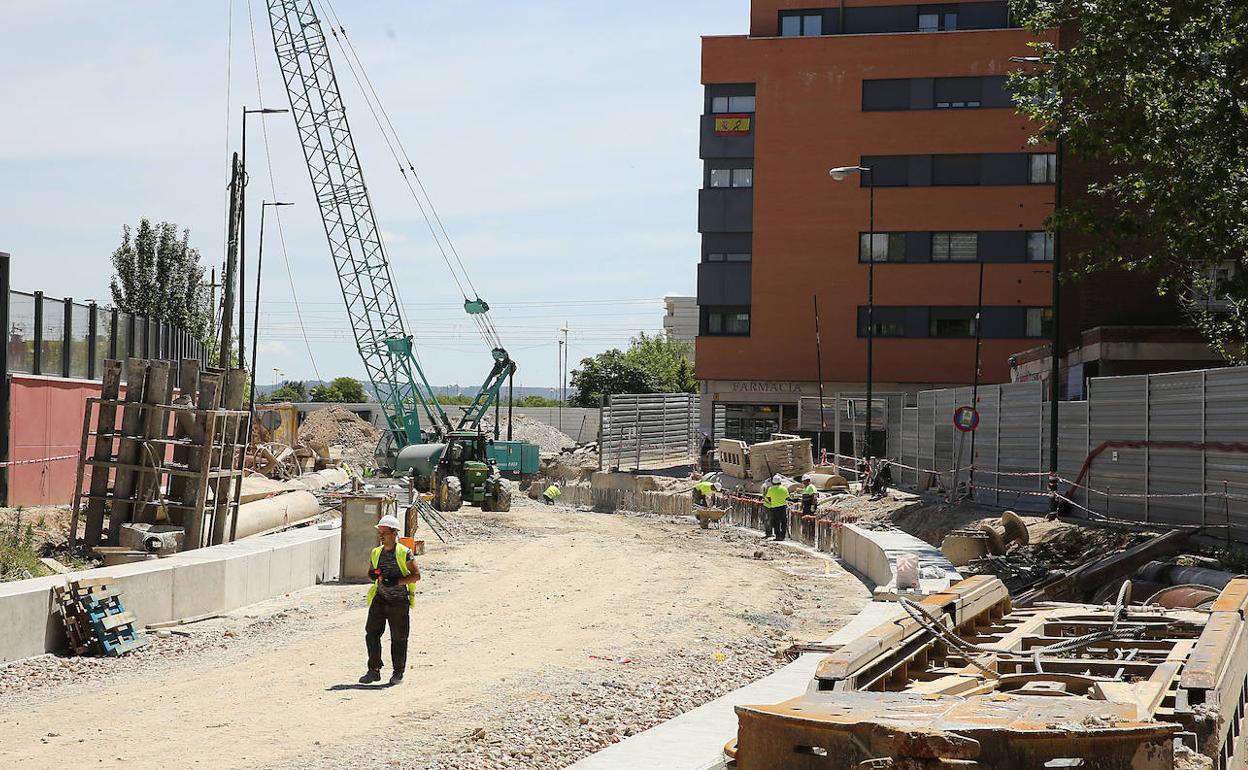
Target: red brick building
[[917, 93]]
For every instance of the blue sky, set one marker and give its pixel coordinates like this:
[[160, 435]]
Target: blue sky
[[557, 139]]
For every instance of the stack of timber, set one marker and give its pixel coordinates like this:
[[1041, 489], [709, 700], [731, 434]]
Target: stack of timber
[[153, 458], [96, 621], [965, 680]]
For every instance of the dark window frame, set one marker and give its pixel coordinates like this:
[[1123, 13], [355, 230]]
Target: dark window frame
[[710, 312], [802, 15], [890, 257], [728, 257], [947, 236]]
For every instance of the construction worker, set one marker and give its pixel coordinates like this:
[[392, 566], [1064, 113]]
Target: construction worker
[[702, 491], [390, 600], [776, 503], [552, 493], [810, 497]]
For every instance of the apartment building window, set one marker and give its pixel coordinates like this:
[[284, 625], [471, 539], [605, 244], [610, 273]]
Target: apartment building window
[[1040, 246], [952, 322], [730, 104], [955, 247], [888, 321], [801, 23], [1043, 168], [732, 177], [938, 20], [987, 91], [1039, 322], [887, 247], [728, 256], [726, 321]]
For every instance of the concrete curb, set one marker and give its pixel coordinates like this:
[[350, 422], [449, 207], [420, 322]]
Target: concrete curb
[[208, 580]]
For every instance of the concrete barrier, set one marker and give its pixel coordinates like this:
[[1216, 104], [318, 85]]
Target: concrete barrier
[[208, 580]]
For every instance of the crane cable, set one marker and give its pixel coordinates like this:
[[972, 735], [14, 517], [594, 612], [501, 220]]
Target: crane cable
[[394, 155], [277, 210], [407, 169]]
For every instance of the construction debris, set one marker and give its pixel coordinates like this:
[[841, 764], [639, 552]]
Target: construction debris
[[96, 621], [572, 465], [964, 679], [347, 437], [548, 438]]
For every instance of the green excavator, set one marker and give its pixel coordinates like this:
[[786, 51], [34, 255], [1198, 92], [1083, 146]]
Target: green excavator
[[457, 460]]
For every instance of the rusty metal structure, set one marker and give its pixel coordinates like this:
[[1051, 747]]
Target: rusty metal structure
[[964, 680]]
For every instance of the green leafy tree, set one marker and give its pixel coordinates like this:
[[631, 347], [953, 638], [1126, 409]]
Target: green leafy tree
[[652, 364], [534, 402], [1152, 94], [342, 389], [158, 274], [290, 390]]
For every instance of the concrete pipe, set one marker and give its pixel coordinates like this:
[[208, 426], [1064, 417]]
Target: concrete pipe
[[274, 512], [330, 477]]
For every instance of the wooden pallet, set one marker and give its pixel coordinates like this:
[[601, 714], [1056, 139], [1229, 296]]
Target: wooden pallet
[[96, 621]]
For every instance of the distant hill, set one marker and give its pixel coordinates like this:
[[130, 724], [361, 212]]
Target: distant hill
[[263, 389]]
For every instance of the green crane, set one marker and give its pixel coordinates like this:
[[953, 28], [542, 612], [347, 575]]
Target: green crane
[[419, 431]]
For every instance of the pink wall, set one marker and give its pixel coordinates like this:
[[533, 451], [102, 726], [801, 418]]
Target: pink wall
[[45, 420]]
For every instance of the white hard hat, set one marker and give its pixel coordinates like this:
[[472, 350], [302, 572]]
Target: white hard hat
[[777, 479], [390, 521], [718, 486], [806, 477]]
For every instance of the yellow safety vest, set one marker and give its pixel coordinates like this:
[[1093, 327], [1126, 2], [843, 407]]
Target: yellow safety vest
[[775, 496], [401, 554], [705, 487], [810, 490], [552, 492]]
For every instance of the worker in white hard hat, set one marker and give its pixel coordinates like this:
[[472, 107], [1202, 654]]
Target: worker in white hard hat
[[390, 600], [776, 506], [703, 490], [552, 493]]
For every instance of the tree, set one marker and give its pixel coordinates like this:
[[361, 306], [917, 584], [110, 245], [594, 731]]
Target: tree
[[290, 390], [652, 364], [158, 275], [344, 390], [1153, 93]]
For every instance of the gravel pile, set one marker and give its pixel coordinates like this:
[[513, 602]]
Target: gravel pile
[[547, 437], [343, 432]]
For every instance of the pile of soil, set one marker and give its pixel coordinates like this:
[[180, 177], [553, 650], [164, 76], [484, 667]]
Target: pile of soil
[[342, 430], [548, 438]]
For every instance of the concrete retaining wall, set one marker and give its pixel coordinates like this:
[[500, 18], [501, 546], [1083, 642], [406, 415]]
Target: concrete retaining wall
[[606, 499], [208, 580]]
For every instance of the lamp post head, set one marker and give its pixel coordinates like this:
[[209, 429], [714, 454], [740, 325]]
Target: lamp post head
[[840, 172], [276, 203], [1026, 59], [264, 111]]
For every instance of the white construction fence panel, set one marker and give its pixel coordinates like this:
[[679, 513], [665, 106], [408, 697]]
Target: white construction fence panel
[[652, 430]]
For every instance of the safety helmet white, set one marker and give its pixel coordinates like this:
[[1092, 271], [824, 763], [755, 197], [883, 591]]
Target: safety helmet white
[[718, 487], [806, 477], [391, 522], [777, 479]]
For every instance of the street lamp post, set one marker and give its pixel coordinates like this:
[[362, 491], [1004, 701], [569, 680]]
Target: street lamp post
[[1055, 344], [242, 237], [839, 173]]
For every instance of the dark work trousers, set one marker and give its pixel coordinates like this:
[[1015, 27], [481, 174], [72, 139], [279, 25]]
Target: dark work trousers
[[398, 616], [779, 522], [808, 506]]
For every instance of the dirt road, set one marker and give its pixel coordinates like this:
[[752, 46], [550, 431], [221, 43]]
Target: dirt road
[[539, 636]]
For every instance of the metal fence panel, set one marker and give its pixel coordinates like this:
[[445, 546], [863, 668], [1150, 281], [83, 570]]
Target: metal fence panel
[[1226, 472], [649, 430], [1118, 412], [927, 436], [21, 332], [1175, 404], [52, 343], [909, 445], [987, 450], [1072, 448], [80, 341]]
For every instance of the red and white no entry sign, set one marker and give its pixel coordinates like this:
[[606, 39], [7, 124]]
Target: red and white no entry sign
[[966, 418]]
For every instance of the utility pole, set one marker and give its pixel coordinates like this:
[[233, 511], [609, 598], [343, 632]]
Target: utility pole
[[212, 287], [823, 420], [231, 264]]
